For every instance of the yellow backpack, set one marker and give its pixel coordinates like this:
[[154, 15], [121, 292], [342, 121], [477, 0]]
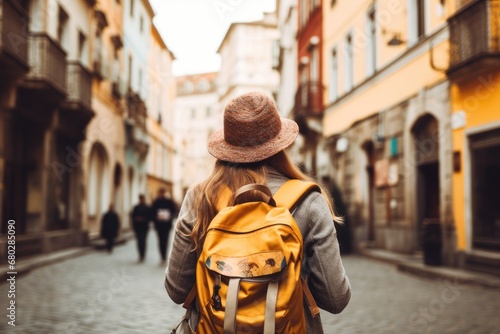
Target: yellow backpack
[[248, 273]]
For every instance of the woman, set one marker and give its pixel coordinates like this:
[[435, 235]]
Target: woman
[[249, 149]]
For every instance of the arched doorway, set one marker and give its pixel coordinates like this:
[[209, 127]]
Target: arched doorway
[[98, 185], [426, 136]]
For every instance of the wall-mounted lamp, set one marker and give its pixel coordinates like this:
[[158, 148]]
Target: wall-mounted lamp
[[396, 40], [342, 144], [314, 40], [304, 60]]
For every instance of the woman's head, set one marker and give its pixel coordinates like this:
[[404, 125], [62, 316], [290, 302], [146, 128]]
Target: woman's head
[[253, 130], [251, 144]]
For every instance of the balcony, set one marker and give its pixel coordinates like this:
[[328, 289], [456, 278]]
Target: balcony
[[48, 65], [118, 88], [308, 107], [137, 135], [137, 112], [474, 38], [13, 39], [79, 87], [309, 99]]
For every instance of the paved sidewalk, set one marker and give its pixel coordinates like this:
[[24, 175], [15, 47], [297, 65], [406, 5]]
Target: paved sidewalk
[[112, 293], [25, 265], [415, 265]]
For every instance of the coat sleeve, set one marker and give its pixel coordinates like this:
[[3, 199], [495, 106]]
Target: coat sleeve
[[323, 266], [180, 275]]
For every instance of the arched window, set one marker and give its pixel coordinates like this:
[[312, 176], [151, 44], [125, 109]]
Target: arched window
[[98, 181]]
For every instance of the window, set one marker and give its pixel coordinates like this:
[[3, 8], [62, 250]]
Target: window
[[441, 8], [82, 48], [129, 72], [416, 20], [188, 87], [303, 13], [141, 24], [140, 84], [203, 85], [193, 113], [209, 112], [315, 4], [371, 50], [349, 64], [98, 51], [303, 87], [276, 49], [314, 67], [116, 65], [421, 18], [334, 76], [62, 26], [131, 8]]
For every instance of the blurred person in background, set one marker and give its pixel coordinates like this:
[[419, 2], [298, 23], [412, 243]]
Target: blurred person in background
[[141, 217], [110, 225], [163, 211]]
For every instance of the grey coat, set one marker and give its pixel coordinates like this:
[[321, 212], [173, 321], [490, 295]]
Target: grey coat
[[322, 265]]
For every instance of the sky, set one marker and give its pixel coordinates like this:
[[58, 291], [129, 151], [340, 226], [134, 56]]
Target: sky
[[194, 29]]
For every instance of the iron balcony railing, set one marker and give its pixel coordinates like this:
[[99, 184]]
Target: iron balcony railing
[[13, 35], [474, 33], [79, 85], [47, 61], [309, 99], [137, 112]]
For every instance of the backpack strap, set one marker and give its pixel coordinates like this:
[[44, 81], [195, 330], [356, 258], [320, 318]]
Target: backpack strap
[[292, 191], [231, 306], [313, 307], [189, 299], [271, 301], [288, 195]]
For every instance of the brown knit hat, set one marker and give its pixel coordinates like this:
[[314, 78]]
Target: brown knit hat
[[253, 130]]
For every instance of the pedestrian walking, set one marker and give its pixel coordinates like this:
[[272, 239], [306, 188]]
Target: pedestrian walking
[[140, 219], [164, 211], [250, 149], [110, 225]]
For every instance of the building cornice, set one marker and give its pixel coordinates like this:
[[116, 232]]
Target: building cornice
[[233, 26]]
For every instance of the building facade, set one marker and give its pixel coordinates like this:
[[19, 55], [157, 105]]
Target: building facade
[[197, 116], [287, 60], [137, 21], [160, 123], [45, 107], [474, 75], [308, 107], [73, 117], [386, 121], [104, 147], [247, 59]]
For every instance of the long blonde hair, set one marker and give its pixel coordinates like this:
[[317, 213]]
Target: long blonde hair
[[232, 176]]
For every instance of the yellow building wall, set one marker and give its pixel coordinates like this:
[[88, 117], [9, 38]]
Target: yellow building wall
[[399, 86], [479, 98], [351, 17]]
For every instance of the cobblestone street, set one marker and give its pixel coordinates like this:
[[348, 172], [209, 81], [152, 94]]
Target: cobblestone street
[[101, 293]]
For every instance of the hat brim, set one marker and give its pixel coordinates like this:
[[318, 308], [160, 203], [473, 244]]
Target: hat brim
[[221, 150]]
